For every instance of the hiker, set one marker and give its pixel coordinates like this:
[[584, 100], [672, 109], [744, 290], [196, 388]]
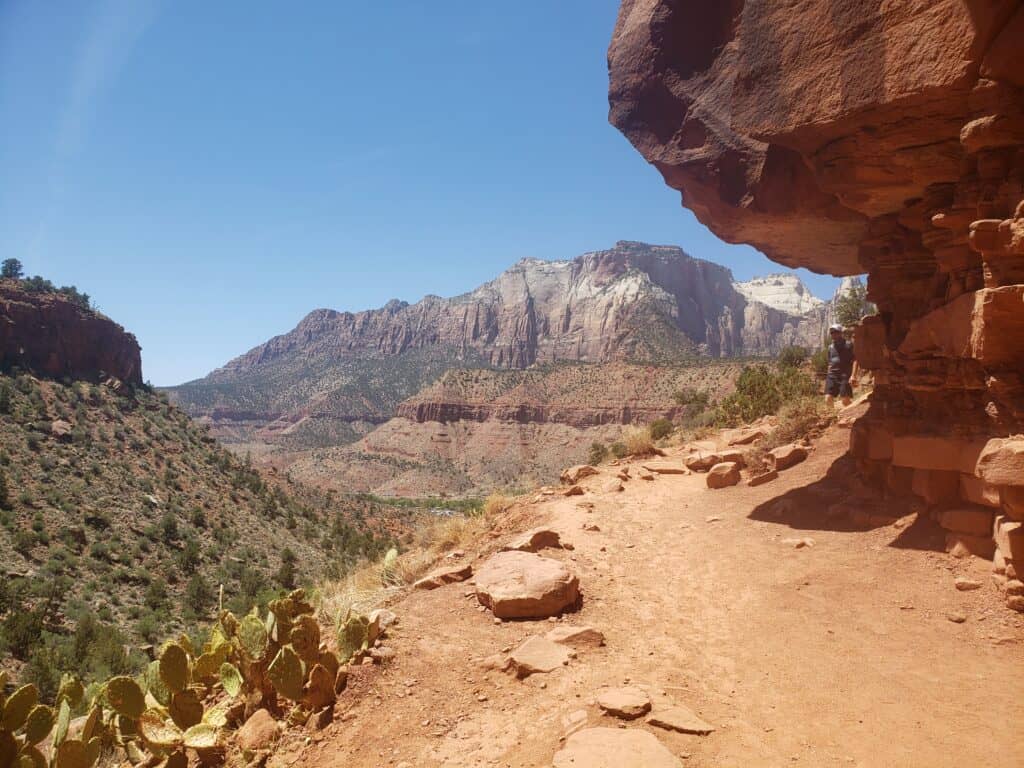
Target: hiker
[[840, 367]]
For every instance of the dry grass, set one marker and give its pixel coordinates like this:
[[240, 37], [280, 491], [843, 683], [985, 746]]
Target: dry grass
[[803, 417], [638, 442], [372, 585]]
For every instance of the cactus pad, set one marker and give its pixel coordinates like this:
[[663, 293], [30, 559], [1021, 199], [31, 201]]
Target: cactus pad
[[125, 696], [174, 667], [231, 679], [71, 689], [155, 686], [73, 754], [186, 709], [31, 757], [38, 724], [320, 688], [17, 707], [252, 637], [352, 637], [60, 730], [157, 732], [285, 673], [201, 737], [305, 638]]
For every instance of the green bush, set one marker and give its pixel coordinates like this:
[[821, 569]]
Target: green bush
[[792, 357], [695, 399], [819, 362], [618, 450], [762, 390], [598, 453], [660, 428]]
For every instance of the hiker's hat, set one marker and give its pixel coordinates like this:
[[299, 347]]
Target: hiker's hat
[[836, 327]]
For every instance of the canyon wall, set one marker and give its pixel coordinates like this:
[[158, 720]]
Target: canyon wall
[[877, 136], [48, 335]]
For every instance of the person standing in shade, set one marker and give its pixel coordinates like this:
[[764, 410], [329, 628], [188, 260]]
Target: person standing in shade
[[840, 367]]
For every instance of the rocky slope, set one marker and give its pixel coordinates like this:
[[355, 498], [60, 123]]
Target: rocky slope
[[338, 374], [474, 430], [47, 334], [866, 137]]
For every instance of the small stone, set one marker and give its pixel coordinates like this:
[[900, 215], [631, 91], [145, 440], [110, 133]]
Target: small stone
[[712, 519], [798, 543], [967, 585], [576, 637], [573, 475], [443, 576], [534, 540], [681, 719], [538, 655], [259, 732], [627, 703], [956, 618], [592, 527]]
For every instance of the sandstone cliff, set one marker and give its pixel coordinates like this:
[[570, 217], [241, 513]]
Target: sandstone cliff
[[48, 335], [854, 136]]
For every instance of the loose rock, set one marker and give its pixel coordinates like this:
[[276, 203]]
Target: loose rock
[[260, 731], [724, 475], [786, 456], [626, 703], [534, 540], [450, 575], [538, 655], [681, 719], [521, 585], [573, 475], [576, 637]]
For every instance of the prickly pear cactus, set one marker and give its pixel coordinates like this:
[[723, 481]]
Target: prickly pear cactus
[[352, 637], [175, 669], [305, 638], [286, 674], [125, 697]]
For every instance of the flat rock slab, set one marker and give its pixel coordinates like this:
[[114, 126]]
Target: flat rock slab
[[576, 637], [627, 703], [522, 585], [538, 655], [614, 748], [665, 468], [680, 719], [449, 575], [613, 486], [535, 540]]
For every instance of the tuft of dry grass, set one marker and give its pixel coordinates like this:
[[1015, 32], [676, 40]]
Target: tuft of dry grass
[[638, 441], [497, 503], [803, 417]]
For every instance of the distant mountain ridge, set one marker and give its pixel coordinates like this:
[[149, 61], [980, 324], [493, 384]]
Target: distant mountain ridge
[[338, 374]]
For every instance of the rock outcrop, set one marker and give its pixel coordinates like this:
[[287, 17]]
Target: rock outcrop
[[850, 137], [49, 335]]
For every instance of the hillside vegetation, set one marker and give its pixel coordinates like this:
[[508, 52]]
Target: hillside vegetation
[[121, 519]]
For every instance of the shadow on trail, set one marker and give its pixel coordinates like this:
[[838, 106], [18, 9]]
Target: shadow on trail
[[841, 502]]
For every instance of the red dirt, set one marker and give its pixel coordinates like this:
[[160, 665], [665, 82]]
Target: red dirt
[[840, 653]]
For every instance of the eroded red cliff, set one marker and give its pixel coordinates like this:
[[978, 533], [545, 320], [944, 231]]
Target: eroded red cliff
[[868, 136], [48, 335]]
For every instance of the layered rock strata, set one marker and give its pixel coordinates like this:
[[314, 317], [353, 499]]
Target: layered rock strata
[[48, 335], [864, 136]]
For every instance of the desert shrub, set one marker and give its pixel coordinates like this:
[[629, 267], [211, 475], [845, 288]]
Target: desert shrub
[[853, 305], [792, 357], [638, 442], [695, 399], [819, 362], [798, 419], [198, 595], [285, 575], [762, 390], [618, 449], [598, 453], [660, 428]]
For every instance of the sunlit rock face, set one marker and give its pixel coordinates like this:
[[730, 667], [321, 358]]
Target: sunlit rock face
[[875, 136]]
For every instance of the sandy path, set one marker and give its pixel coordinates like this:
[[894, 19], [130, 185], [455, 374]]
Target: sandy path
[[836, 654]]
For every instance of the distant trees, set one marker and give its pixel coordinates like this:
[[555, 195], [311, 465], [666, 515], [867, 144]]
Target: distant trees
[[792, 357], [11, 269]]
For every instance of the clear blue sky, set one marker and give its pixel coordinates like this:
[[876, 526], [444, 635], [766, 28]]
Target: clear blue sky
[[211, 171]]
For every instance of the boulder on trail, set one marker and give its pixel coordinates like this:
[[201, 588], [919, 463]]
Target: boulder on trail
[[723, 475], [534, 540], [260, 731], [573, 475], [627, 703], [614, 748], [449, 575], [522, 585], [574, 490], [681, 719], [612, 486], [576, 637], [538, 655], [665, 468], [743, 435], [702, 461], [786, 456]]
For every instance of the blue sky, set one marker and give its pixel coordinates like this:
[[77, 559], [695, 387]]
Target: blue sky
[[211, 171]]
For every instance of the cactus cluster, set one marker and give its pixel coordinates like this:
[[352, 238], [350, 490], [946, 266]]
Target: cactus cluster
[[188, 696]]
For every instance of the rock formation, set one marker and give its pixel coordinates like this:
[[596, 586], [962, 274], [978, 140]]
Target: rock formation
[[338, 374], [859, 136], [48, 335]]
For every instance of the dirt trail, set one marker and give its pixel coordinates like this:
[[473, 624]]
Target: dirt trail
[[841, 653]]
